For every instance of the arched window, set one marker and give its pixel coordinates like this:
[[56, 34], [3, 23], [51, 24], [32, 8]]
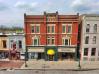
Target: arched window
[[35, 41]]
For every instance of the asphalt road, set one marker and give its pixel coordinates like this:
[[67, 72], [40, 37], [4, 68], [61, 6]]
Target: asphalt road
[[49, 72]]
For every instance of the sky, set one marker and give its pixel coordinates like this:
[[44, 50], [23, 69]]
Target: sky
[[12, 11]]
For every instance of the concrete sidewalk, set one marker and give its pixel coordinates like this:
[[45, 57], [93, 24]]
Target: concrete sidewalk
[[61, 65]]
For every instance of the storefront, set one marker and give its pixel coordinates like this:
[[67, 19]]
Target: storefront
[[36, 53], [4, 54], [14, 55], [51, 53], [66, 53]]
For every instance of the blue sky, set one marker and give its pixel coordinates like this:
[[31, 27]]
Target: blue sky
[[12, 11]]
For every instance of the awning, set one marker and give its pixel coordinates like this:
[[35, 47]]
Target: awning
[[4, 50], [50, 52]]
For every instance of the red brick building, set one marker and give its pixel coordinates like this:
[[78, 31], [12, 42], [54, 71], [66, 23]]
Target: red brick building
[[51, 36]]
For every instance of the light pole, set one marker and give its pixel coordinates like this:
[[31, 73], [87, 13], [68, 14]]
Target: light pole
[[79, 63], [26, 57], [79, 55]]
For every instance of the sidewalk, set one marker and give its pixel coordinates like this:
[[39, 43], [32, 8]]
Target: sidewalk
[[61, 65], [5, 64]]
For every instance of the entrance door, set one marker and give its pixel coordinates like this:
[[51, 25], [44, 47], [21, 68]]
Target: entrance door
[[51, 57]]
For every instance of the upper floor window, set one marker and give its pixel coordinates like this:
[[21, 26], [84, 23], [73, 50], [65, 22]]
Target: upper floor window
[[50, 28], [64, 29], [51, 40], [87, 40], [69, 29], [35, 28], [53, 29], [94, 40], [85, 51], [11, 43], [88, 28], [48, 40], [66, 41], [93, 51], [95, 28], [35, 41], [4, 44], [20, 43], [32, 28]]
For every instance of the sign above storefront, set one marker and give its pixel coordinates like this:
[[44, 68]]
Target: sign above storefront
[[35, 49], [71, 50], [50, 52]]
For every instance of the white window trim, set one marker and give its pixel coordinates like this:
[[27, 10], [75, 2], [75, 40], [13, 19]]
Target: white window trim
[[35, 37], [54, 41], [71, 28], [93, 40], [35, 26], [63, 43], [39, 30], [50, 25], [65, 28], [88, 40], [51, 41]]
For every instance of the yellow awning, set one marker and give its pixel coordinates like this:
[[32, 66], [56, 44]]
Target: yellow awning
[[50, 52]]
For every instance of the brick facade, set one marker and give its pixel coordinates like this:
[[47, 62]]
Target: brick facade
[[52, 19]]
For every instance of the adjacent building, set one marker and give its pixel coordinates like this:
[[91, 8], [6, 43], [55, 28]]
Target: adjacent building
[[17, 41], [89, 46], [51, 36], [12, 46], [4, 51]]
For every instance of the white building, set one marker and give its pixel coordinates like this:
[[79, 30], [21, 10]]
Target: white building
[[89, 47], [19, 41]]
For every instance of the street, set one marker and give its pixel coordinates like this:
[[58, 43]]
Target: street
[[48, 71]]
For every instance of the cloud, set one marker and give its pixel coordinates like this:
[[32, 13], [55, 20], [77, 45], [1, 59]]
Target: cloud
[[85, 6], [3, 6], [26, 6]]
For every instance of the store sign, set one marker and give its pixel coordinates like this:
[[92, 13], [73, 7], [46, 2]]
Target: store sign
[[66, 50], [35, 49]]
